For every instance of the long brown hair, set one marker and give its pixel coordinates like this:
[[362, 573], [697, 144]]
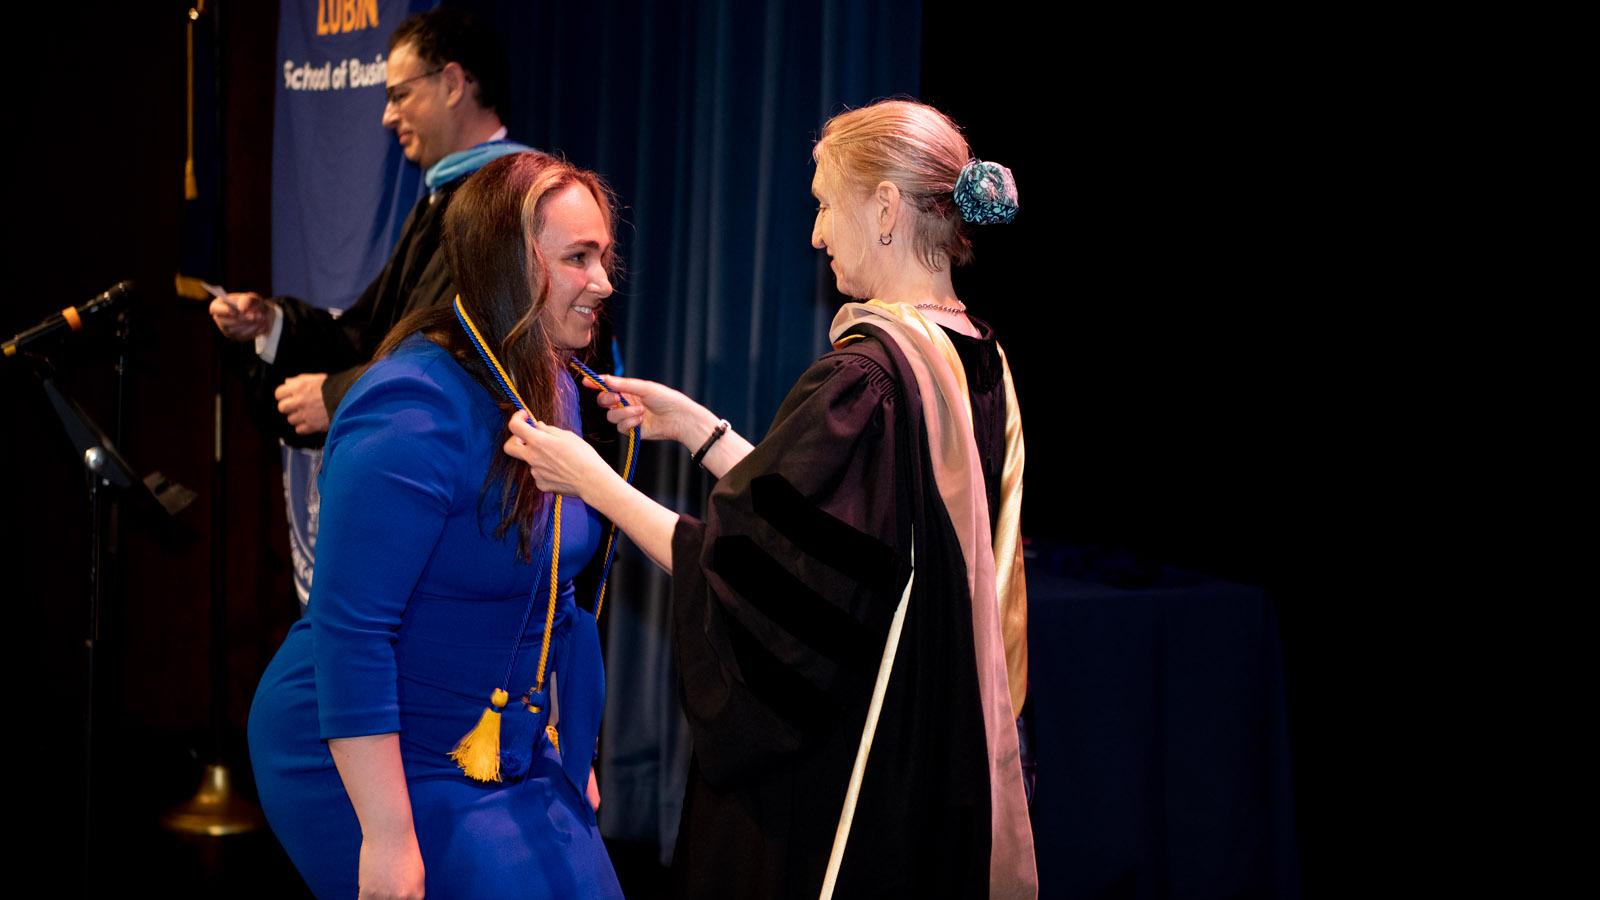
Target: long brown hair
[[490, 240]]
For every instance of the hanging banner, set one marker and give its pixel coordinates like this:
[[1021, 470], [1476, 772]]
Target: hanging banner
[[341, 188]]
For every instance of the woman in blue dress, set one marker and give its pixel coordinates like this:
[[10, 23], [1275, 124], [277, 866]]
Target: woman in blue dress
[[432, 589]]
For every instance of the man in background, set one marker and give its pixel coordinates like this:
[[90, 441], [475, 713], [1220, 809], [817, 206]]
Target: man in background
[[446, 87]]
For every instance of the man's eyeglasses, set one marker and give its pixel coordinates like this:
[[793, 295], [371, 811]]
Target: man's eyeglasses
[[390, 95]]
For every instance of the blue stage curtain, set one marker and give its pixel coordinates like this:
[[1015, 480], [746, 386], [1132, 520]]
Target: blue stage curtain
[[702, 116]]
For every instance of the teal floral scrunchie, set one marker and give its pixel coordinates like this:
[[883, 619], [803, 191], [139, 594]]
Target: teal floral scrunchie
[[986, 193]]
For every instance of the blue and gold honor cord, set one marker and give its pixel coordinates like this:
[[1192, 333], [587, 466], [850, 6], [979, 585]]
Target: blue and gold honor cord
[[478, 753]]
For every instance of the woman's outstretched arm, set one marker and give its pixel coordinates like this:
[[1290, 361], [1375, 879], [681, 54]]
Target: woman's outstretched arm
[[564, 463], [662, 413]]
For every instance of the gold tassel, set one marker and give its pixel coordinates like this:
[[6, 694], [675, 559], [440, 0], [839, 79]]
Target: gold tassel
[[555, 739], [191, 188], [478, 752]]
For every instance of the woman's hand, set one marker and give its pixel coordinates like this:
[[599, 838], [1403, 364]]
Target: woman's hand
[[391, 868], [665, 414], [561, 461], [660, 412]]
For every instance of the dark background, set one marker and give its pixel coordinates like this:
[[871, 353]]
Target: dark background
[[1159, 307]]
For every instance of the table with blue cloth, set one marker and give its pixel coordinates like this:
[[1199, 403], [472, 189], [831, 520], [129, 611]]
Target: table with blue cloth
[[1162, 743]]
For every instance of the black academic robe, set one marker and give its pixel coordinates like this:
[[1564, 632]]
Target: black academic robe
[[416, 276], [783, 599]]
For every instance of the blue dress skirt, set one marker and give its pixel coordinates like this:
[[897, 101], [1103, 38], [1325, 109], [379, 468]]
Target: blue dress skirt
[[415, 608]]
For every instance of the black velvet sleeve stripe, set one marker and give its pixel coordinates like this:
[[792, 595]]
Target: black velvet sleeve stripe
[[862, 557], [735, 734], [785, 592], [797, 622]]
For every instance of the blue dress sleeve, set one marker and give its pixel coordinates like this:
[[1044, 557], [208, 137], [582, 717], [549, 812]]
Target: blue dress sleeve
[[391, 469]]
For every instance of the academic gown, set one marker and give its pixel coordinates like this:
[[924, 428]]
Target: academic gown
[[416, 276], [783, 599]]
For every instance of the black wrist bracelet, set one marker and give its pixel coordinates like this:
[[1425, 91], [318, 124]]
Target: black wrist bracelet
[[716, 433]]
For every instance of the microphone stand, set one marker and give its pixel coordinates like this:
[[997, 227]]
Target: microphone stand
[[107, 475]]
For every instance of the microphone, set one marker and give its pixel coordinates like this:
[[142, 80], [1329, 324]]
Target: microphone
[[69, 319]]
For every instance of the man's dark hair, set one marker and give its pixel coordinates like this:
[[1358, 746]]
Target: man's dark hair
[[449, 35]]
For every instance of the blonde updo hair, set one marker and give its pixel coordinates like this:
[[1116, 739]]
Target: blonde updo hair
[[919, 150]]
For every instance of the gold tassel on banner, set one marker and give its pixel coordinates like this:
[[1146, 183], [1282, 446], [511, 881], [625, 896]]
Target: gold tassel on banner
[[191, 187], [478, 753]]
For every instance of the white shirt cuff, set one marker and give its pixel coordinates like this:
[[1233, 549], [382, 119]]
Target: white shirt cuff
[[267, 344]]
